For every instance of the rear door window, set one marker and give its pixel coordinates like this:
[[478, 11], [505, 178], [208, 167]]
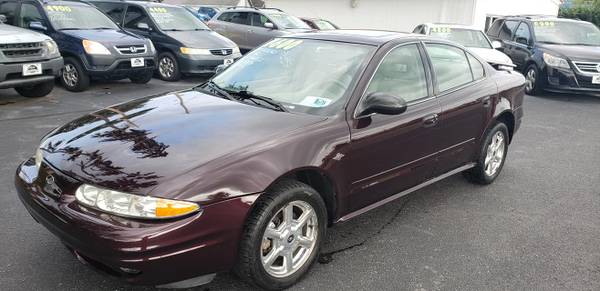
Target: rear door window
[[30, 13], [450, 65], [506, 32], [113, 10], [495, 28], [240, 18], [476, 67]]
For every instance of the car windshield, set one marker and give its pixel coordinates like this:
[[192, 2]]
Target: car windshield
[[287, 21], [175, 18], [567, 32], [324, 25], [307, 76], [466, 37], [78, 17]]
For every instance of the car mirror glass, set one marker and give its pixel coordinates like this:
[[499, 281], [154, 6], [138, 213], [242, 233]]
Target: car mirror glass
[[2, 18], [269, 25], [220, 68], [36, 25], [382, 103], [496, 44], [143, 26]]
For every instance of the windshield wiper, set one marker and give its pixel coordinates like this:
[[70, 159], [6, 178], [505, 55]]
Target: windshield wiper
[[101, 28], [71, 28], [173, 29], [216, 89], [246, 95]]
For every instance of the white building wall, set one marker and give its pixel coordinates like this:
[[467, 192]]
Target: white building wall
[[404, 15], [399, 15]]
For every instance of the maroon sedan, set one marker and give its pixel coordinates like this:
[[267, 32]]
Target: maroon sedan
[[246, 171]]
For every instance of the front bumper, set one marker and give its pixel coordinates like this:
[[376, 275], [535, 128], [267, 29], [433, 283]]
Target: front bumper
[[11, 74], [202, 64], [138, 251], [117, 67], [569, 81]]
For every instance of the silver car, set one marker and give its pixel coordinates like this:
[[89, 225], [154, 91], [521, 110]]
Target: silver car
[[251, 27]]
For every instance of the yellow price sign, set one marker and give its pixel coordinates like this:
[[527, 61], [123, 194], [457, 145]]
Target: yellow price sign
[[58, 8]]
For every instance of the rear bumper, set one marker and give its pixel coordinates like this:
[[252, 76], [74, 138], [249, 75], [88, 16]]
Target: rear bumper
[[196, 64], [11, 75], [138, 251]]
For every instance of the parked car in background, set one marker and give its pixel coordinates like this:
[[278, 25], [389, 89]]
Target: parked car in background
[[554, 54], [247, 171], [29, 61], [203, 12], [251, 27], [92, 45], [185, 45], [319, 24], [472, 38]]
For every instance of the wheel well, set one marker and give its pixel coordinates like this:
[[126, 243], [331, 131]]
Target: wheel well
[[509, 119], [321, 183]]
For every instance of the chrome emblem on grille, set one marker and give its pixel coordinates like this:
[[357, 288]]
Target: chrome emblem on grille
[[133, 49], [598, 68], [224, 52], [51, 187]]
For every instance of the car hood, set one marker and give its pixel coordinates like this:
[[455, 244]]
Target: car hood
[[12, 34], [135, 146], [574, 52], [201, 39], [492, 56], [106, 36]]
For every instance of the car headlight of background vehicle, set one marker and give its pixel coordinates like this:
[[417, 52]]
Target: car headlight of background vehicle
[[555, 61], [95, 48], [130, 205], [236, 50], [152, 48], [194, 51], [39, 156], [51, 47]]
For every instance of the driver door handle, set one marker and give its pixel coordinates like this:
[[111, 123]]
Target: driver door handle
[[430, 120]]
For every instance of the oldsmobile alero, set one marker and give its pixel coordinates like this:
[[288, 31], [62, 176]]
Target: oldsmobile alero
[[246, 171]]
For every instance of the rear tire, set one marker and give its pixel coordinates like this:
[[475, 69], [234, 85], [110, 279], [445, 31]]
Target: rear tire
[[491, 156], [142, 78], [534, 79], [288, 224], [35, 91], [168, 68], [74, 78]]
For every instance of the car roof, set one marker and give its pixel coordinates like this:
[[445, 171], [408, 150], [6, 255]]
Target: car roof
[[540, 18], [141, 3], [64, 2], [370, 37], [451, 25]]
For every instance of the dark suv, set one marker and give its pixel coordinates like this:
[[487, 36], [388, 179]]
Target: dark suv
[[185, 44], [554, 54], [90, 42]]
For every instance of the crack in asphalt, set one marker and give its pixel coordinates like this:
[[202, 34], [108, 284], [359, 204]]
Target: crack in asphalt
[[326, 258], [48, 115]]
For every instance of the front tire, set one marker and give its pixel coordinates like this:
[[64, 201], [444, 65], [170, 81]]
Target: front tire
[[35, 91], [534, 80], [282, 237], [168, 68], [74, 78], [492, 156]]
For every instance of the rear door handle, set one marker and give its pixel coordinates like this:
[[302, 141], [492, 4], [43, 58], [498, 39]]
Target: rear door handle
[[430, 120]]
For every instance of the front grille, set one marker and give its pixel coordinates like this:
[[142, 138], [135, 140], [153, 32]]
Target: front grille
[[19, 50], [221, 52], [588, 67], [135, 49]]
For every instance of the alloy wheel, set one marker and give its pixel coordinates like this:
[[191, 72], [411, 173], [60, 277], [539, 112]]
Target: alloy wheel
[[166, 67], [531, 80], [495, 154], [70, 75], [289, 239]]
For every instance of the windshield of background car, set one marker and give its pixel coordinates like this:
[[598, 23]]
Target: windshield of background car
[[287, 21], [567, 32], [78, 17], [175, 18], [307, 76], [324, 25], [466, 37]]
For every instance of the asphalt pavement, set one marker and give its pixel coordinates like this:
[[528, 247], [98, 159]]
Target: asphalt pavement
[[536, 228]]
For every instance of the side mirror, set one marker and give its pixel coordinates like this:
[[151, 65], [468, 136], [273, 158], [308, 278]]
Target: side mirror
[[36, 25], [3, 18], [522, 40], [143, 26], [496, 44], [220, 68], [383, 103], [269, 25]]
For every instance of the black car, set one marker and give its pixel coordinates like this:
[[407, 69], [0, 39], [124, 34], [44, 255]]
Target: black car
[[92, 45], [185, 44], [554, 54]]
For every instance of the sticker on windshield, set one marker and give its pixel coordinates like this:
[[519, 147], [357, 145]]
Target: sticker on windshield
[[58, 8], [441, 30], [284, 44], [313, 101], [158, 10], [543, 23]]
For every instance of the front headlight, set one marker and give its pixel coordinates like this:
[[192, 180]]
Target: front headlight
[[130, 205], [236, 50], [152, 48], [95, 48], [39, 156], [52, 47], [194, 51], [556, 62]]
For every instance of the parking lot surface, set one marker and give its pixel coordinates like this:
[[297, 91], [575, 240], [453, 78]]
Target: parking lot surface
[[536, 228]]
